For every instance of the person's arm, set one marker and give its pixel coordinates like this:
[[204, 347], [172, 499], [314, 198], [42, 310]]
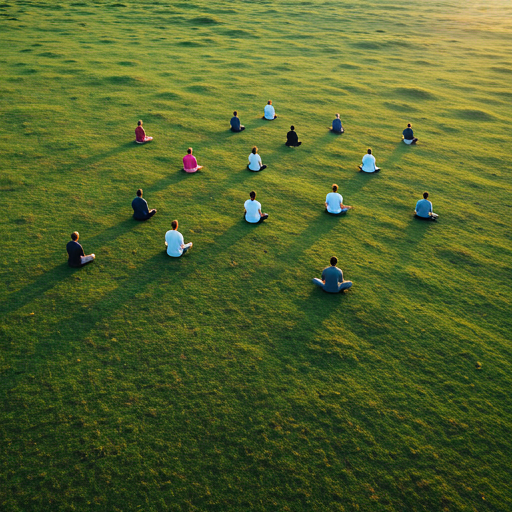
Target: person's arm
[[82, 253], [146, 209], [182, 245], [326, 204], [340, 276], [261, 214], [259, 160], [323, 276]]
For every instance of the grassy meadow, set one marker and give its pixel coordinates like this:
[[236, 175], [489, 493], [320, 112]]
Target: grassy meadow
[[225, 380]]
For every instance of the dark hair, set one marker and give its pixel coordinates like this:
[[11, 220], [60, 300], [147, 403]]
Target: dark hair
[[334, 260], [139, 192], [74, 236], [254, 150], [369, 151], [269, 102], [425, 195], [292, 127], [189, 151], [334, 187], [408, 125], [252, 195], [139, 122], [174, 224], [235, 113]]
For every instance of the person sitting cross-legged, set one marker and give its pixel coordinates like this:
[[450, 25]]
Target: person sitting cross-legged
[[174, 242], [140, 208], [255, 161], [336, 125], [424, 210], [408, 135], [292, 139], [190, 162], [252, 212], [76, 254], [332, 279], [368, 164], [270, 113], [140, 134], [235, 123], [334, 202]]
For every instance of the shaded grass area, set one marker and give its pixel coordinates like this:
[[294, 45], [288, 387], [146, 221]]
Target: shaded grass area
[[225, 380]]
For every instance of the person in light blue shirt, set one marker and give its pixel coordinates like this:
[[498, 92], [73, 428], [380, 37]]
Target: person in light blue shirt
[[332, 279], [424, 210], [336, 125]]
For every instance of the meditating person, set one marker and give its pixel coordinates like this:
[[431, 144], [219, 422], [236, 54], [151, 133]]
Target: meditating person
[[336, 125], [235, 123], [292, 139], [332, 279], [190, 162], [252, 212], [255, 161], [140, 208], [334, 202], [174, 242], [270, 113], [140, 134], [368, 164], [424, 208], [408, 135], [76, 254]]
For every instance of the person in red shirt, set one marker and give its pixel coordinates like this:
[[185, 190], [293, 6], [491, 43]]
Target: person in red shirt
[[190, 162], [140, 134]]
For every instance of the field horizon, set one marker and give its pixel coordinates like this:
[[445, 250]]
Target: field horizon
[[225, 380]]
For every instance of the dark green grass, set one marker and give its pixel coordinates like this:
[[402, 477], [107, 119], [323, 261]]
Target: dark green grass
[[225, 380]]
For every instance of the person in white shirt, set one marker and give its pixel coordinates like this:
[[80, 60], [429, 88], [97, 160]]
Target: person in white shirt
[[174, 242], [368, 164], [255, 161], [270, 113], [252, 212], [334, 202]]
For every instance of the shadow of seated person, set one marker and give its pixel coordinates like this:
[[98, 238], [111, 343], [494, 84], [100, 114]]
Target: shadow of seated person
[[292, 139]]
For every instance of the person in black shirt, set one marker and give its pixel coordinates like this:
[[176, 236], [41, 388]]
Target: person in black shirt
[[76, 255], [140, 208], [408, 136], [292, 140], [235, 123]]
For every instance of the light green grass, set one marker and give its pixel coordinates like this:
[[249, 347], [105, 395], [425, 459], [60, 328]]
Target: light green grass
[[225, 381]]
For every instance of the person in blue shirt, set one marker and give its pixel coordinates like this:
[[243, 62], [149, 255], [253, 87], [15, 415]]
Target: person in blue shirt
[[408, 135], [235, 123], [424, 210], [332, 279], [76, 254], [336, 125], [140, 208]]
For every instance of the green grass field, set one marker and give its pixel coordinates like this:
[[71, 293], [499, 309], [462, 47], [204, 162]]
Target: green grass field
[[224, 380]]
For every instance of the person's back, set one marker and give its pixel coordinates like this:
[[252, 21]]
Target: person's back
[[140, 208], [368, 163], [235, 124], [292, 138], [334, 201], [270, 112], [336, 125], [255, 163], [408, 134], [332, 276], [252, 208], [189, 162], [75, 252], [140, 134], [423, 208], [174, 241]]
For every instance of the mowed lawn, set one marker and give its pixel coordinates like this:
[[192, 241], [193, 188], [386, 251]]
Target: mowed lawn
[[224, 380]]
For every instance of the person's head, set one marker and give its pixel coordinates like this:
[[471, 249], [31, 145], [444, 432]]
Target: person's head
[[174, 224], [337, 116], [254, 150], [235, 113], [269, 102], [334, 260], [189, 151], [334, 187], [369, 151], [139, 192], [409, 125], [292, 128], [139, 122], [252, 195], [425, 195], [75, 236]]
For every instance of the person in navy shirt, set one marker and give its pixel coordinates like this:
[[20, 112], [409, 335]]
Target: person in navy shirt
[[140, 208], [292, 139], [235, 123], [332, 279], [424, 208], [76, 254], [408, 135], [336, 125]]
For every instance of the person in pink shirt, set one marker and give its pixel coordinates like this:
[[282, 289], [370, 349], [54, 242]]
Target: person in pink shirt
[[140, 134], [190, 162]]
